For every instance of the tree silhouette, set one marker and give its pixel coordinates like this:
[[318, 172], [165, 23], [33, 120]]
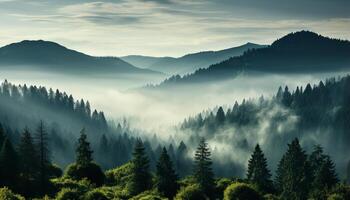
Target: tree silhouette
[[203, 172], [166, 178], [258, 172]]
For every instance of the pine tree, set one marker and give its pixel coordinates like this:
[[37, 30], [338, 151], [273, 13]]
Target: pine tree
[[140, 176], [2, 135], [84, 152], [43, 154], [258, 172], [29, 163], [293, 174], [166, 178], [323, 173], [326, 177], [203, 172], [8, 165]]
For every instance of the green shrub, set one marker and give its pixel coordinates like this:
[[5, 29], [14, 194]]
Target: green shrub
[[238, 191], [95, 195], [92, 172], [187, 181], [54, 171], [119, 176], [271, 197], [336, 197], [191, 192], [7, 194], [342, 190], [148, 195], [220, 186], [81, 186], [68, 194]]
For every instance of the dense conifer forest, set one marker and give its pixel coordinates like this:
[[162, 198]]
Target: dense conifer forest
[[124, 165]]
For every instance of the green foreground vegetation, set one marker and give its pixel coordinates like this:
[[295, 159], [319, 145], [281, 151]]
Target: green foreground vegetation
[[26, 173]]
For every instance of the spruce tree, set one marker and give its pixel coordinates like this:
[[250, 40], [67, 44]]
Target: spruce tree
[[8, 165], [323, 173], [326, 177], [2, 135], [258, 172], [203, 172], [83, 151], [43, 155], [166, 178], [140, 176], [29, 163], [293, 174]]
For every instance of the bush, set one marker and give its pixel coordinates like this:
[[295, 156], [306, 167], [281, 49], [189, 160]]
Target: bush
[[191, 192], [68, 194], [341, 190], [95, 195], [335, 197], [148, 195], [119, 176], [238, 191], [271, 197], [7, 194], [220, 186], [81, 185], [92, 172], [54, 171]]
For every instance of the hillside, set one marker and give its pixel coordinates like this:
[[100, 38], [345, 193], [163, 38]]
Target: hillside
[[45, 55], [190, 62], [299, 52]]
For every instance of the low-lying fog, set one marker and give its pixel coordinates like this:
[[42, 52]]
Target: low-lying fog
[[158, 110]]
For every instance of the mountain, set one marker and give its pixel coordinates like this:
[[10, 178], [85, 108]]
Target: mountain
[[52, 56], [299, 52], [190, 62], [145, 61]]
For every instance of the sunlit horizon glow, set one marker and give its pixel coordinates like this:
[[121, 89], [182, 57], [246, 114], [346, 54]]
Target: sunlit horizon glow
[[167, 27]]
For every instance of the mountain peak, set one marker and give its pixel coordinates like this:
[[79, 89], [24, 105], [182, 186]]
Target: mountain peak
[[35, 44]]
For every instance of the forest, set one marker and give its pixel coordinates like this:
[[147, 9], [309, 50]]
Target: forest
[[107, 160]]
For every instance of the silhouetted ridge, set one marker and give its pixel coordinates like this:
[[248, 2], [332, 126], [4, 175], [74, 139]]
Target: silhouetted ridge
[[297, 52], [50, 55]]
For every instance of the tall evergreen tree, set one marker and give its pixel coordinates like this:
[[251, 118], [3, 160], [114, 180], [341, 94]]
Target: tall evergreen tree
[[258, 172], [2, 135], [166, 178], [84, 152], [203, 172], [29, 163], [293, 174], [8, 165], [140, 176], [323, 173], [43, 155]]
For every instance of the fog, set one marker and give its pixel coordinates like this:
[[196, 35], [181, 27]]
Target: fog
[[160, 109]]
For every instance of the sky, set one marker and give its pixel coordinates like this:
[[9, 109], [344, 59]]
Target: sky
[[167, 27]]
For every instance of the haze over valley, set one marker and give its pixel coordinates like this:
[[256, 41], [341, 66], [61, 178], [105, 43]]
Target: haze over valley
[[173, 99]]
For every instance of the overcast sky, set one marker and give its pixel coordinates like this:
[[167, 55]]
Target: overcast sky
[[167, 27]]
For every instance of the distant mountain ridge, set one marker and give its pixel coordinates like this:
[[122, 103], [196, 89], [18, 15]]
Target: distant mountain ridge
[[190, 62], [299, 52], [52, 56]]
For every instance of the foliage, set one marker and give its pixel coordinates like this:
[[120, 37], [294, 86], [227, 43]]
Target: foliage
[[166, 178], [91, 172], [140, 177], [271, 197], [237, 191], [221, 185], [191, 192], [95, 195], [258, 173], [120, 175], [293, 173], [83, 151], [148, 195], [203, 173], [68, 194], [7, 194]]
